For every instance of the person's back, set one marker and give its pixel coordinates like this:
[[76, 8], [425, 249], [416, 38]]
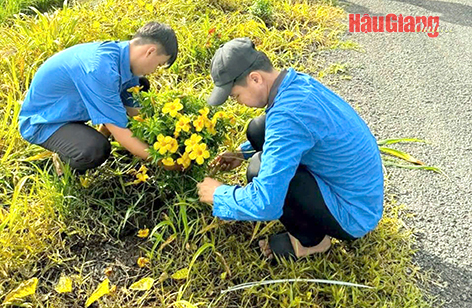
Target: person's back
[[88, 82], [344, 159], [54, 97]]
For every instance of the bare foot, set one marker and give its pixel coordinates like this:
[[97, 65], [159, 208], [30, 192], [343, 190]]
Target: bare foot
[[298, 248]]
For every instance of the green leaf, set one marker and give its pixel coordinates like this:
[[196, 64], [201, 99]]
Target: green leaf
[[398, 140], [401, 155], [430, 168]]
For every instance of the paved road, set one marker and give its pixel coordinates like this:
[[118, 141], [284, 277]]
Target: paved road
[[411, 85]]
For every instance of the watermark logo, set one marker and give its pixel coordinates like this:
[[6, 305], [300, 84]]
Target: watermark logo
[[394, 23]]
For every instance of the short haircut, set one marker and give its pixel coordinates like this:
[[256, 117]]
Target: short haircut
[[156, 33], [262, 63]]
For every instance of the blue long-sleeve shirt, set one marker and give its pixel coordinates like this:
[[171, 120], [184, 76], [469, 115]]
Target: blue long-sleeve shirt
[[310, 125], [84, 82]]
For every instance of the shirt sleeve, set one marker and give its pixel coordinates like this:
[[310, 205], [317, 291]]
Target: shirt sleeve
[[100, 92], [287, 140], [127, 97], [247, 150]]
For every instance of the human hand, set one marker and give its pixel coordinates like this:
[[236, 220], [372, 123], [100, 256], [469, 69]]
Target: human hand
[[228, 161], [206, 189]]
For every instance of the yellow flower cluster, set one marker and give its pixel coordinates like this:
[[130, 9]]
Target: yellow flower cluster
[[203, 121], [195, 149]]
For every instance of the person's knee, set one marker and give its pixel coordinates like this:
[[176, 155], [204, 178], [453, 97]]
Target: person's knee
[[256, 132], [301, 181], [93, 155], [253, 167]]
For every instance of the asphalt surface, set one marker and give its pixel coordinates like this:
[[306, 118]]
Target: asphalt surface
[[411, 85]]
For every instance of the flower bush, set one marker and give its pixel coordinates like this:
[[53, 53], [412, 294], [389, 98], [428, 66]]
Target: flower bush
[[183, 132]]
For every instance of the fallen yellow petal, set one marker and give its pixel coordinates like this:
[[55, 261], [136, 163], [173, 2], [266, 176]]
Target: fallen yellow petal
[[113, 289], [64, 285], [24, 289], [143, 284], [102, 289], [180, 274]]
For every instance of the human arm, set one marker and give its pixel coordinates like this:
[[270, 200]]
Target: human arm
[[287, 139], [125, 137]]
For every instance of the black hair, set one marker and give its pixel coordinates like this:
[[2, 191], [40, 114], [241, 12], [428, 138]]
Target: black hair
[[262, 63], [157, 33]]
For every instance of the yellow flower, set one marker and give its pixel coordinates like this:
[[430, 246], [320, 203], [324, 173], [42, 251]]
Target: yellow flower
[[183, 124], [166, 144], [168, 161], [199, 153], [143, 169], [199, 123], [138, 118], [173, 108], [210, 125], [142, 262], [219, 115], [204, 112], [135, 90], [185, 160], [193, 140], [143, 233], [172, 145], [141, 177]]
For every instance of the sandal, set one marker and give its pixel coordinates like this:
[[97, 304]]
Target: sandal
[[281, 246]]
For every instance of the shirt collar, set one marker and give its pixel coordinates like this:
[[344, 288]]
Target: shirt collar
[[275, 88], [125, 66]]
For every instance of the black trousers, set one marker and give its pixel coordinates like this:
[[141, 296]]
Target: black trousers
[[79, 145], [305, 214]]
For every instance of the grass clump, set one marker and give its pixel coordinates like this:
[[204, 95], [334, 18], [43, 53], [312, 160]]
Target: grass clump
[[262, 9], [85, 227]]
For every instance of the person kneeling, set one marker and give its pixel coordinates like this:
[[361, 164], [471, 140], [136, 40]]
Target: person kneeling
[[314, 164]]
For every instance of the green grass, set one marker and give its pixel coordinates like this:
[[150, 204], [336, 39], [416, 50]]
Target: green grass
[[52, 227], [10, 7]]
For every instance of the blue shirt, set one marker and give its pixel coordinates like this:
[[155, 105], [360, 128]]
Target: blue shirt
[[310, 125], [82, 83]]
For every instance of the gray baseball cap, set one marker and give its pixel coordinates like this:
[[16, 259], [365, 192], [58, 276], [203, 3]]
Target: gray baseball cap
[[229, 62]]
